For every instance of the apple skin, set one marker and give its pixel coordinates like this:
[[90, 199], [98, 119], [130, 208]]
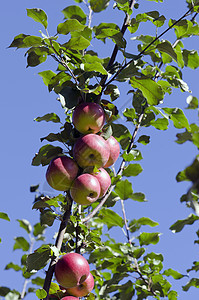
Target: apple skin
[[83, 289], [71, 270], [103, 178], [114, 151], [61, 172], [70, 298], [85, 189], [91, 150], [88, 118]]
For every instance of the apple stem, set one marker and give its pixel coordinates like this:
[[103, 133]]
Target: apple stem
[[58, 244]]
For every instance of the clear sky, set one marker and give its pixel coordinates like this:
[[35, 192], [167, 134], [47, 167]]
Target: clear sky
[[24, 97]]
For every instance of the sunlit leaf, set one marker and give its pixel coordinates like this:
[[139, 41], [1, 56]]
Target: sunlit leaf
[[147, 238], [38, 15], [21, 243], [132, 170], [49, 117], [4, 216], [25, 224], [179, 225], [74, 12]]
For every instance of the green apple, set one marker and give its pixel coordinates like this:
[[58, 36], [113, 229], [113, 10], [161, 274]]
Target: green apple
[[88, 117]]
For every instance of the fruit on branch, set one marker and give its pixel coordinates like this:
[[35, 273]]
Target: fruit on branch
[[114, 151], [71, 270], [83, 289], [88, 118], [61, 172], [91, 150], [85, 189], [70, 298], [103, 178]]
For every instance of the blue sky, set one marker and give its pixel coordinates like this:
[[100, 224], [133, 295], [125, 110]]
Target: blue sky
[[24, 97]]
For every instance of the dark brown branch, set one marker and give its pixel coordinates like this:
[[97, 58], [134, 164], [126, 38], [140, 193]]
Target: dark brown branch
[[58, 244]]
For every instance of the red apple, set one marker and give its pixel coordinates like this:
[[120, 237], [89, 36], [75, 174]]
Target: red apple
[[91, 150], [85, 189], [88, 118], [71, 270], [83, 289], [114, 151], [103, 178], [70, 298], [61, 172]]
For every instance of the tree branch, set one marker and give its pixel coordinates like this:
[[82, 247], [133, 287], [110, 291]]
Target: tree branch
[[58, 244]]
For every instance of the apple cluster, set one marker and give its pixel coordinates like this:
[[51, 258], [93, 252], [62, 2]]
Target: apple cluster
[[85, 175], [72, 272]]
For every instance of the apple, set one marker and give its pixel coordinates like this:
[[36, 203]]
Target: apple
[[103, 178], [91, 150], [83, 289], [61, 172], [114, 151], [85, 189], [71, 270], [70, 298], [88, 118]]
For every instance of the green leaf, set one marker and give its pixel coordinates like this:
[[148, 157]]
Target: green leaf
[[13, 266], [170, 272], [96, 67], [193, 282], [21, 243], [69, 26], [151, 90], [179, 225], [124, 189], [38, 15], [98, 5], [130, 114], [4, 216], [38, 281], [4, 291], [132, 170], [18, 41], [178, 117], [192, 102], [160, 123], [47, 217], [69, 97], [38, 259], [41, 293], [49, 117], [144, 139], [147, 221], [74, 12], [47, 76], [38, 229], [77, 43], [113, 91], [134, 155], [110, 218], [140, 197], [191, 58], [25, 224], [45, 154], [147, 238], [36, 56], [166, 47]]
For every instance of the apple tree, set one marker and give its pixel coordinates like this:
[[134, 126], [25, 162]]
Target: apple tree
[[83, 77]]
